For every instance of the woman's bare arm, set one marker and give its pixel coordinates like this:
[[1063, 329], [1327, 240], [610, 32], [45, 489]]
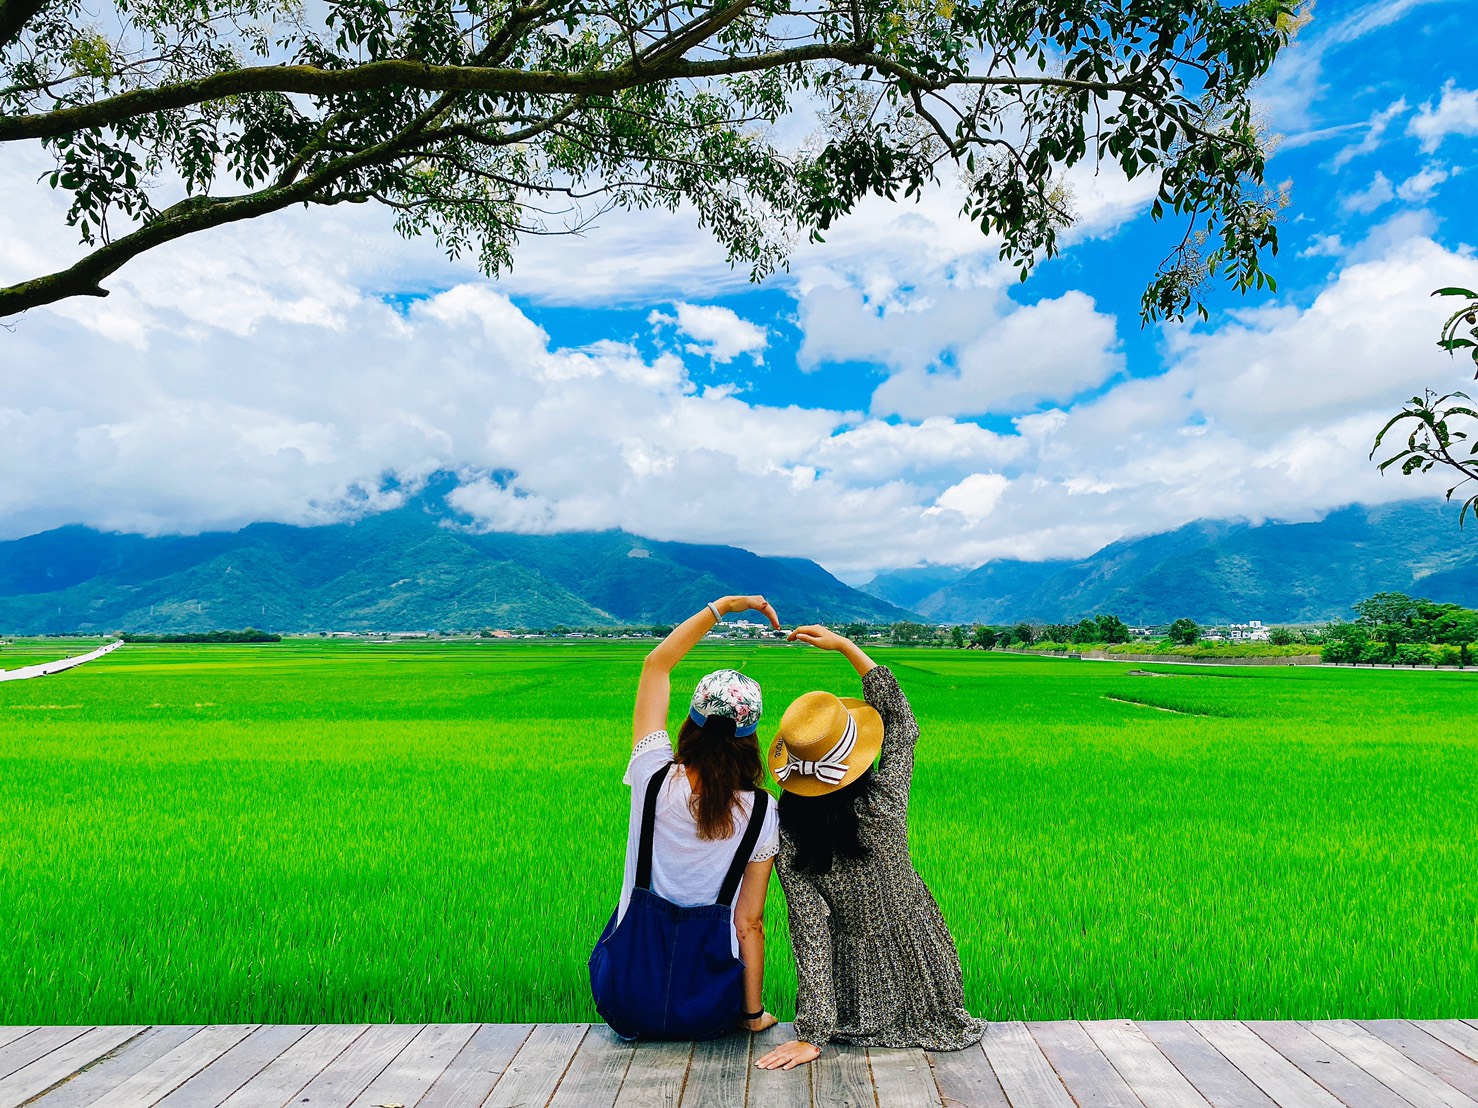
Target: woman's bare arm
[[654, 692], [823, 639], [749, 925]]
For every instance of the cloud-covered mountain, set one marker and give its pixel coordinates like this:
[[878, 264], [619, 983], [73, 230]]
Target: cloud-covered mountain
[[1216, 572], [408, 569]]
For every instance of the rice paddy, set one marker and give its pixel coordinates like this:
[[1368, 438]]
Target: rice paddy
[[340, 832]]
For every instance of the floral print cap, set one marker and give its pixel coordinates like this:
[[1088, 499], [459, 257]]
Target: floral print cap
[[727, 692]]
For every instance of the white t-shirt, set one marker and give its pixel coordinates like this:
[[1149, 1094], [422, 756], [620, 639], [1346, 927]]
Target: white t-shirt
[[686, 870]]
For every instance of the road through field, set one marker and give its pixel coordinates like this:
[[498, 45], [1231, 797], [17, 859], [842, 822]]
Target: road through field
[[60, 665]]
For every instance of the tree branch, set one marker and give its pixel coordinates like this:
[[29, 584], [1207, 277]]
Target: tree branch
[[195, 213], [403, 73], [400, 73], [14, 15]]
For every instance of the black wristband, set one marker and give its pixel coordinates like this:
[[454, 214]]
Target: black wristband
[[750, 1017]]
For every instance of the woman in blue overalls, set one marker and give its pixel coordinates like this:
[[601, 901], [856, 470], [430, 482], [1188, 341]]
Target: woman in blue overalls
[[683, 956]]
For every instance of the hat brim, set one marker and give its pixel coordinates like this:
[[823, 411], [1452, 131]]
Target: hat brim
[[864, 754]]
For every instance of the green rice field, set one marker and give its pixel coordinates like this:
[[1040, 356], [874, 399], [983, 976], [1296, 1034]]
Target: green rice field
[[338, 831]]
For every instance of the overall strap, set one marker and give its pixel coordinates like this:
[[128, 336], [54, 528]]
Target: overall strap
[[648, 828], [730, 887]]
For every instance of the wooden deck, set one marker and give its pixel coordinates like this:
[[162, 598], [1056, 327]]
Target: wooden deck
[[1116, 1064]]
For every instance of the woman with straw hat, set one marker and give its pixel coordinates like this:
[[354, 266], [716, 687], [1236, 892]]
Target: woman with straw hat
[[875, 962], [683, 956]]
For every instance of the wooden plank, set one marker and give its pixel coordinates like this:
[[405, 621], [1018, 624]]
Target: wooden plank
[[1022, 1069], [416, 1068], [718, 1073], [1388, 1065], [841, 1079], [470, 1077], [236, 1067], [655, 1076], [902, 1077], [37, 1044], [9, 1035], [350, 1073], [1089, 1077], [55, 1066], [1324, 1064], [1274, 1074], [538, 1067], [1205, 1067], [596, 1072], [966, 1080], [1152, 1076], [777, 1088], [1454, 1067], [157, 1080], [299, 1064], [118, 1066], [1455, 1033]]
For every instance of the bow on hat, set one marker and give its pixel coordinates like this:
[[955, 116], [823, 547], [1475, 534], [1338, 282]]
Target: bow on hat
[[831, 767]]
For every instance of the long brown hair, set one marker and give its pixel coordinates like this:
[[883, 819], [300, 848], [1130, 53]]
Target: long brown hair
[[726, 764]]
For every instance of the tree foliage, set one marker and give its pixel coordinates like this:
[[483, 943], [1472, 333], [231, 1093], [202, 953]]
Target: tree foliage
[[1442, 427], [479, 121], [1394, 628], [909, 633], [984, 637], [1184, 631]]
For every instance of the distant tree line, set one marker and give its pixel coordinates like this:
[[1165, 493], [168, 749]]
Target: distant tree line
[[251, 634], [1392, 628]]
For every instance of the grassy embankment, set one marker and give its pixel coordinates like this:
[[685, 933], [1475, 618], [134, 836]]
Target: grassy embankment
[[310, 832]]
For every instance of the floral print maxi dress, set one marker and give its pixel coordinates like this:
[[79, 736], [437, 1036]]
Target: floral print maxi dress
[[875, 961]]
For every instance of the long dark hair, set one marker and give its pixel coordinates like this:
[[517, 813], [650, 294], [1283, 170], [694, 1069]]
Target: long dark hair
[[825, 827], [726, 764]]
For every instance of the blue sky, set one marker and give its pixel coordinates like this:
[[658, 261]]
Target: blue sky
[[896, 398]]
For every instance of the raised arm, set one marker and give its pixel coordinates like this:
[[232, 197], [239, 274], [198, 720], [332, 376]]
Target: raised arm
[[880, 687], [655, 689], [823, 639], [900, 733]]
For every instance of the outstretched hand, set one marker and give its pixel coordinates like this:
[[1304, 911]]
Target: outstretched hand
[[823, 639], [754, 604], [787, 1056], [819, 636]]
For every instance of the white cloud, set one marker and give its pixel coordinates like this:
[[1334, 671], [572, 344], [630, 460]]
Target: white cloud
[[1375, 130], [1011, 358], [1422, 184], [718, 333], [1380, 191], [878, 451], [1455, 114], [974, 498], [1367, 340], [1323, 246]]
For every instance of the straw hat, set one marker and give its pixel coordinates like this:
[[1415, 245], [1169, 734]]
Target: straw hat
[[825, 743]]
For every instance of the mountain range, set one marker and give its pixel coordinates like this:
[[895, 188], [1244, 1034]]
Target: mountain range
[[421, 567], [413, 568], [1216, 572]]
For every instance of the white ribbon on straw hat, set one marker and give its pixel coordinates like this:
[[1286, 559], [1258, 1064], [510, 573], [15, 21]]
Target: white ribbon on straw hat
[[824, 743], [831, 767]]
